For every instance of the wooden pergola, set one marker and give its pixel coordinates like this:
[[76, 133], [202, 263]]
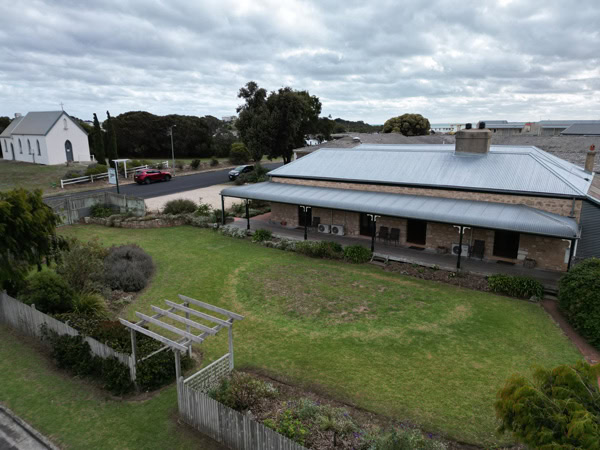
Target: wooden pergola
[[188, 336]]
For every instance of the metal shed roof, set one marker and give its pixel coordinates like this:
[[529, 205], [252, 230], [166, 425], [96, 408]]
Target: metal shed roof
[[520, 218], [511, 169], [37, 123], [584, 129]]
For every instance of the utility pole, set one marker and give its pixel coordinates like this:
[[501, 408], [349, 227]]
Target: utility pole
[[117, 175], [172, 148]]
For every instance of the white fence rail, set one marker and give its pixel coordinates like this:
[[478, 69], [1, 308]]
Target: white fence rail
[[91, 178], [29, 320]]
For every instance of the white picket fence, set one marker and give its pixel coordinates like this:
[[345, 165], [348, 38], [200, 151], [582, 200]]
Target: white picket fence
[[29, 320], [91, 178]]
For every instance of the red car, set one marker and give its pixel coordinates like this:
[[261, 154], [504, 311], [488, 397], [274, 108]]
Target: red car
[[147, 176]]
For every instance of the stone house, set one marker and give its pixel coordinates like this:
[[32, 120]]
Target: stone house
[[518, 205]]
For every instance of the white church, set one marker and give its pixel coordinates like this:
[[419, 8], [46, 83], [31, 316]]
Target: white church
[[45, 137]]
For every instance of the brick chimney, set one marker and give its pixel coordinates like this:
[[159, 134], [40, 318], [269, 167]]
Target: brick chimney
[[473, 141], [590, 158]]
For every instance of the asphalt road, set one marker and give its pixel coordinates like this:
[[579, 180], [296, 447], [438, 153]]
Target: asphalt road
[[177, 184]]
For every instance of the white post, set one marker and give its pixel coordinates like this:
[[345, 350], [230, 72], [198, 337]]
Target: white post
[[125, 167], [177, 365], [62, 186], [231, 345]]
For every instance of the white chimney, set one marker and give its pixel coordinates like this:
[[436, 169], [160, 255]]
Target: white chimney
[[473, 141]]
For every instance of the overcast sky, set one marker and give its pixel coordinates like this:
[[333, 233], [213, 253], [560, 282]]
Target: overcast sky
[[450, 60]]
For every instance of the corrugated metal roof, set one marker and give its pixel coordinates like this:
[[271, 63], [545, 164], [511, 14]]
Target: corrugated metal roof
[[516, 125], [11, 126], [504, 169], [37, 122], [563, 123], [520, 218], [583, 129]]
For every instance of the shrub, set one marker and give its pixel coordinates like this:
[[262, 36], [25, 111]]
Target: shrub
[[241, 391], [239, 154], [261, 235], [49, 293], [179, 164], [290, 426], [96, 169], [180, 206], [82, 265], [134, 163], [404, 439], [128, 268], [516, 286], [217, 215], [73, 353], [558, 409], [258, 175], [235, 232], [579, 298], [72, 174], [204, 209], [214, 162], [158, 370], [195, 164], [90, 304], [357, 254], [101, 210], [320, 249]]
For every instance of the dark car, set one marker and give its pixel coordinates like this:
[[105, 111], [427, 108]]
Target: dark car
[[147, 176], [239, 170]]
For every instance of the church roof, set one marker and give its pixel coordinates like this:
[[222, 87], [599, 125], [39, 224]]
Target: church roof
[[35, 123]]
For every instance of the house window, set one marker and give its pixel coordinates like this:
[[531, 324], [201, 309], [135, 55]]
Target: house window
[[38, 147], [304, 219], [28, 147], [416, 231], [20, 147], [65, 123], [366, 224], [506, 244]]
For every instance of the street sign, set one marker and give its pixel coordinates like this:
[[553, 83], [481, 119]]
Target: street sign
[[112, 176]]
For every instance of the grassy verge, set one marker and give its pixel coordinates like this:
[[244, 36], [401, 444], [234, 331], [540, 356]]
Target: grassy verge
[[414, 350], [15, 174], [75, 415]]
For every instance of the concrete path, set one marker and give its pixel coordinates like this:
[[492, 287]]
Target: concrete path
[[210, 195], [16, 434]]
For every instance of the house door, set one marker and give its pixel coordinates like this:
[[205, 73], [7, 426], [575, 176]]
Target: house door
[[304, 218], [69, 151], [416, 231], [506, 244], [365, 225]]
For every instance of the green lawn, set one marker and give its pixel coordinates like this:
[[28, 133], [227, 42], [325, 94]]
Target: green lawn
[[418, 351], [15, 174], [75, 415]]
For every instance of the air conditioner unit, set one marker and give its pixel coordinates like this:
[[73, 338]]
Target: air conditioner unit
[[465, 250], [337, 229], [324, 228]]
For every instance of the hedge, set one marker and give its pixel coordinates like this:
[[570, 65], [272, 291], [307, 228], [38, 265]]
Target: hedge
[[516, 286]]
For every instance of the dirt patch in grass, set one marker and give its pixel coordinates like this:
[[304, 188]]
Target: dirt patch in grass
[[466, 280]]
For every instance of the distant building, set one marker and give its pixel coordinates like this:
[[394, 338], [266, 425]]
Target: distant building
[[229, 118], [504, 127], [45, 137], [446, 127], [583, 129], [556, 127]]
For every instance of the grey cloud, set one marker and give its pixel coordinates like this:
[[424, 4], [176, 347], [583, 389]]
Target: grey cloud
[[366, 60]]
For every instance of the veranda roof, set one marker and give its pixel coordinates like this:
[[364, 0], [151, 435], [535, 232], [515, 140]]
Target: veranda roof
[[499, 216]]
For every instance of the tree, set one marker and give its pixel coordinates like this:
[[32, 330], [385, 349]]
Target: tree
[[98, 142], [221, 143], [408, 125], [239, 154], [4, 122], [325, 128], [579, 298], [254, 121], [558, 409], [111, 137], [28, 230]]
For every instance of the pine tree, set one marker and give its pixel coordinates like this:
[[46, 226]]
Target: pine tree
[[111, 150], [98, 142]]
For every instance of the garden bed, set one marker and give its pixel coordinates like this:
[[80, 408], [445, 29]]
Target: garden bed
[[463, 279]]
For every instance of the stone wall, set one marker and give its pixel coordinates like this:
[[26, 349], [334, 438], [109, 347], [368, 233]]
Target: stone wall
[[561, 206], [549, 253]]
